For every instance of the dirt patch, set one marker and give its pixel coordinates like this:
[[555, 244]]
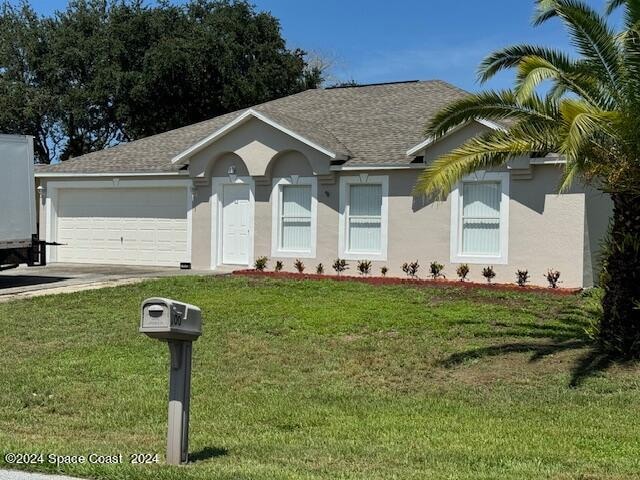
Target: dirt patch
[[513, 367]]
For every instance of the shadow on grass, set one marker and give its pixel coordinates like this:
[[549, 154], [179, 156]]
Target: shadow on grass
[[207, 453], [571, 335], [593, 362]]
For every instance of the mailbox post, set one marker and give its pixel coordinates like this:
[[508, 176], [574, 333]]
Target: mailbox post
[[178, 324]]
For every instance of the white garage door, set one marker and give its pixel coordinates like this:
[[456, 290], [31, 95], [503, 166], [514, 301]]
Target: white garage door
[[126, 226]]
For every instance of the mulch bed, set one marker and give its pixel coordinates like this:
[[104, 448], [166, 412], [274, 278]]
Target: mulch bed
[[409, 281]]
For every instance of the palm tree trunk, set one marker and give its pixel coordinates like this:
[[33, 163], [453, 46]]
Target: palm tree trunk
[[620, 323]]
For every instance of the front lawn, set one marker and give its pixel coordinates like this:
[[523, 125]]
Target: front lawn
[[319, 379]]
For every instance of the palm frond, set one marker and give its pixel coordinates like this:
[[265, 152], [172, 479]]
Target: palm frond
[[590, 33], [629, 37], [510, 57], [589, 116], [632, 62], [532, 71], [557, 91], [582, 123], [479, 153], [493, 105], [613, 5], [545, 10], [632, 10], [572, 170]]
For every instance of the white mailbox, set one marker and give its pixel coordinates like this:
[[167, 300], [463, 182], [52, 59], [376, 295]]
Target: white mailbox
[[168, 319]]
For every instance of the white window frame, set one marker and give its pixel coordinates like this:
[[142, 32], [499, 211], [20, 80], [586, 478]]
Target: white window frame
[[457, 203], [343, 235], [276, 207]]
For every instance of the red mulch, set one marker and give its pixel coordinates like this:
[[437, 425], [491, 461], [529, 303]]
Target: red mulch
[[409, 281]]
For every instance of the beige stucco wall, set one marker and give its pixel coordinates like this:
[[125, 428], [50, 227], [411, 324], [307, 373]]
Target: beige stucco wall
[[453, 140], [256, 144], [546, 230], [261, 151]]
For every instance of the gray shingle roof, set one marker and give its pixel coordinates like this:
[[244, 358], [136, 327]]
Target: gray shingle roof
[[309, 130], [373, 124]]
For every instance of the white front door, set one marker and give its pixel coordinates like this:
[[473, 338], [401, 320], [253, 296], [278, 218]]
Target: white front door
[[236, 224]]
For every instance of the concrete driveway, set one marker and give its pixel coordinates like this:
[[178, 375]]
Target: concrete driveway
[[24, 282]]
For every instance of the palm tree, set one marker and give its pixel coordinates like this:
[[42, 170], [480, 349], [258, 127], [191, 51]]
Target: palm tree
[[590, 115]]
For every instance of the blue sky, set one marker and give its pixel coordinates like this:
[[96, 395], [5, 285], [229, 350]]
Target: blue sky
[[381, 41]]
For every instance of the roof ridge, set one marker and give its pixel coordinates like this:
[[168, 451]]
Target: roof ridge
[[360, 85], [398, 82], [451, 86]]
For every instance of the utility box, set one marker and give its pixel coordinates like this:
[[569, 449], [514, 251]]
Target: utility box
[[178, 324], [167, 319]]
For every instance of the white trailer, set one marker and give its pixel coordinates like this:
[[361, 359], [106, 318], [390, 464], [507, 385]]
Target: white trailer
[[18, 228]]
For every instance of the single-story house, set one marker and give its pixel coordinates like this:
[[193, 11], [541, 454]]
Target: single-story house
[[320, 175]]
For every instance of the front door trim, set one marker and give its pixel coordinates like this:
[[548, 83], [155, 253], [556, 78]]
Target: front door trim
[[217, 192]]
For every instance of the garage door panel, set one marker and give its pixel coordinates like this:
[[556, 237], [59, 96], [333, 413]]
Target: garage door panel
[[172, 208], [164, 257], [142, 226]]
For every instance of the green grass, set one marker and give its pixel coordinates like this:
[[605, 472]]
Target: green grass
[[318, 379]]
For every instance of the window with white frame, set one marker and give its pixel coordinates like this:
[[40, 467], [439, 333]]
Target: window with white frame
[[480, 219], [294, 217], [363, 232], [365, 218]]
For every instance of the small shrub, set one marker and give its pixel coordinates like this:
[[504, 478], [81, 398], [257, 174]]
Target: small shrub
[[340, 265], [411, 269], [462, 271], [320, 269], [553, 277], [384, 271], [435, 269], [364, 267], [261, 263], [279, 266], [488, 273], [299, 265], [522, 277]]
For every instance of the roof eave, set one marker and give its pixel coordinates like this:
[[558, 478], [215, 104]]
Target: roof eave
[[376, 166], [110, 174]]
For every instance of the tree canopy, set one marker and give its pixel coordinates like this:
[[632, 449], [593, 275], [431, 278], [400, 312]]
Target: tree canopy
[[102, 71]]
